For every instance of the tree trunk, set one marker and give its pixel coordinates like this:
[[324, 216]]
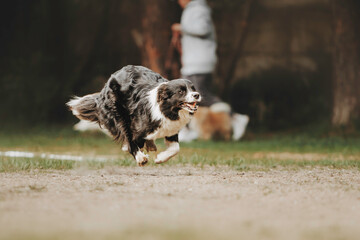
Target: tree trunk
[[158, 16], [242, 33], [346, 63]]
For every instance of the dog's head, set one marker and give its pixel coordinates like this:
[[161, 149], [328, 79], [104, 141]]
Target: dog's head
[[176, 95]]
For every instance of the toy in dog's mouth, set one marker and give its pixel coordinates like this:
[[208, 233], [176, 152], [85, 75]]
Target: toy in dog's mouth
[[190, 106]]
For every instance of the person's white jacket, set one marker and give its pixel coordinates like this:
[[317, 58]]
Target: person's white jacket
[[198, 39]]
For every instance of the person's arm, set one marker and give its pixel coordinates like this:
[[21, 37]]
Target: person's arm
[[196, 22]]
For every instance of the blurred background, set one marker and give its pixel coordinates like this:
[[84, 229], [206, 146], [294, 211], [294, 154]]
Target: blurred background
[[288, 64]]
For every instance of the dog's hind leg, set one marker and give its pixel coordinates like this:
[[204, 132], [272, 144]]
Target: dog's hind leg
[[173, 148], [125, 147], [150, 146]]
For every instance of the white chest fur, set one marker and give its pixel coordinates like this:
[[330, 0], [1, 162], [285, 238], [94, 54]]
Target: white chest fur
[[167, 127]]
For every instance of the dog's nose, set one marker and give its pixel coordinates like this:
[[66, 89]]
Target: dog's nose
[[196, 96]]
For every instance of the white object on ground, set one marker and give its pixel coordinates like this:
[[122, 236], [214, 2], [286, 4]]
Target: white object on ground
[[239, 123], [20, 154], [84, 125]]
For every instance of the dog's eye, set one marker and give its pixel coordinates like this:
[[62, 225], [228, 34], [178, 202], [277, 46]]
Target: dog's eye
[[181, 92]]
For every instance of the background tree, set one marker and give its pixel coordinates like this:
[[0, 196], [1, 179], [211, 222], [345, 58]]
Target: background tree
[[346, 62], [153, 39], [276, 58]]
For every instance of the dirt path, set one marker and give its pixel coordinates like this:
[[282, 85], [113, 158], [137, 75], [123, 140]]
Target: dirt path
[[180, 203]]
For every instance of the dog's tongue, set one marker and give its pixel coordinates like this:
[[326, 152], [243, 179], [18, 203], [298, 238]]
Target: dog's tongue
[[193, 105]]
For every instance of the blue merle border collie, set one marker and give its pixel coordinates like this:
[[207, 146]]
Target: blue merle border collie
[[138, 106]]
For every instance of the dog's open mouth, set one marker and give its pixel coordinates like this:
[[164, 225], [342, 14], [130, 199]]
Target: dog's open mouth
[[190, 106]]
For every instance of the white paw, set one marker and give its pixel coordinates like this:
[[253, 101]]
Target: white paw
[[125, 147], [141, 158], [162, 157], [172, 150]]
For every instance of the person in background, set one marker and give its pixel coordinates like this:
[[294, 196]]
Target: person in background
[[198, 45]]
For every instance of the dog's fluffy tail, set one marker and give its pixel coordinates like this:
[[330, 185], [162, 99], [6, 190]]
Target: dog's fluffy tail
[[84, 107]]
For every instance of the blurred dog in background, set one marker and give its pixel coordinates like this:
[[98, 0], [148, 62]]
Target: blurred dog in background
[[215, 123]]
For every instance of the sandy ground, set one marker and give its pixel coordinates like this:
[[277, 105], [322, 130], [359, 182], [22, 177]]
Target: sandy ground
[[180, 203]]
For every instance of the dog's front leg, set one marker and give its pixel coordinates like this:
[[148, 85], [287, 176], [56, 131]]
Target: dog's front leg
[[173, 148], [135, 150], [124, 121]]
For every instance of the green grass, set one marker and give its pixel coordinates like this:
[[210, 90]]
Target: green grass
[[16, 164], [300, 144], [264, 152]]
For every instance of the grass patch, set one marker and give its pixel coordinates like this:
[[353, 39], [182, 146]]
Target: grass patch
[[262, 153], [252, 162], [299, 144], [24, 164], [237, 163]]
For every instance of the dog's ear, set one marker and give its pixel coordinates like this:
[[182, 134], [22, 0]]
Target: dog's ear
[[113, 91], [163, 93], [114, 85]]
